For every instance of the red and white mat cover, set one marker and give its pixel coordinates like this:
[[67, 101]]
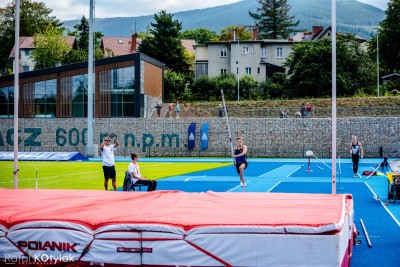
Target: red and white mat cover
[[173, 228]]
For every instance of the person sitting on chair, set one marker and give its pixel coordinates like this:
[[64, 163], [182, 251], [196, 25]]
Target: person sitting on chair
[[137, 178]]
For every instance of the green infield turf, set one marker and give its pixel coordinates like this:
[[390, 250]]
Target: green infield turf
[[88, 175]]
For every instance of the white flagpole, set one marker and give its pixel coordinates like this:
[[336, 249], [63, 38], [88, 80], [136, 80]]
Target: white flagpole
[[333, 96], [16, 91]]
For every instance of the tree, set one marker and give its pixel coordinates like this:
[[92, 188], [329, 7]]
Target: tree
[[389, 39], [273, 20], [204, 88], [247, 86], [34, 17], [174, 85], [241, 32], [164, 42], [310, 68], [201, 35], [50, 47], [80, 54], [227, 83]]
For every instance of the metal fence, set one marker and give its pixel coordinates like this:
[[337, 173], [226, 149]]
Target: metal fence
[[266, 112]]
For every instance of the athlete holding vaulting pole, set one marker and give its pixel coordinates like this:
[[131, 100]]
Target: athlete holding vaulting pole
[[239, 154]]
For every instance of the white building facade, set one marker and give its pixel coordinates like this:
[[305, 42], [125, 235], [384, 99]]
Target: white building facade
[[257, 58]]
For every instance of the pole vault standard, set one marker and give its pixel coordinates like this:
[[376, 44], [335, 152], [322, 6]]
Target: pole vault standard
[[227, 123], [309, 154]]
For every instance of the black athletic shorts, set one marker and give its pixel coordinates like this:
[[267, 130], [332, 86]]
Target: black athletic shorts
[[240, 163], [109, 172]]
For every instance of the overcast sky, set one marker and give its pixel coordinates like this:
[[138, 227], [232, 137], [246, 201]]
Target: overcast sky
[[75, 9]]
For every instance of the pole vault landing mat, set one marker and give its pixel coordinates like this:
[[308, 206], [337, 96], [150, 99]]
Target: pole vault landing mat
[[174, 228], [44, 156]]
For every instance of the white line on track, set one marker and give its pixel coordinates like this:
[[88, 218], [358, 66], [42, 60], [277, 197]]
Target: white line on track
[[264, 174], [193, 177]]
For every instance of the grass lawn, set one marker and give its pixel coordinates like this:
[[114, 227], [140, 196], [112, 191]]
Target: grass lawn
[[88, 175]]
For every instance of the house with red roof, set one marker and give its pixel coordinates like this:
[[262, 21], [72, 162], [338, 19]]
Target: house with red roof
[[26, 46], [118, 46]]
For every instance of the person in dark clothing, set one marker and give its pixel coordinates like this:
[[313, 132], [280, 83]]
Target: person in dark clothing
[[240, 154], [357, 152], [137, 178], [158, 107]]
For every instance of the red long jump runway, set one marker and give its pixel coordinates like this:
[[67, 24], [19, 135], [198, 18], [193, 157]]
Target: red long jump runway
[[174, 228]]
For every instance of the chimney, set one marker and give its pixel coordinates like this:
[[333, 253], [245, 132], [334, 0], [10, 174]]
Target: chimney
[[134, 42], [255, 33], [316, 29]]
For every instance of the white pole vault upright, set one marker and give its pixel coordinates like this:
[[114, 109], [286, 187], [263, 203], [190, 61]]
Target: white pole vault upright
[[227, 123], [16, 90], [333, 96], [89, 146]]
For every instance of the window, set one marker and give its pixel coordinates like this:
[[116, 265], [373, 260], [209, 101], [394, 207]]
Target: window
[[245, 50], [45, 94], [79, 96], [263, 52], [117, 92], [122, 92], [253, 49], [7, 102], [279, 53], [258, 70], [223, 71], [223, 52], [25, 68], [248, 71], [27, 52]]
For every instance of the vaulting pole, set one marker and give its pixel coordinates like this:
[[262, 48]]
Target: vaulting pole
[[16, 91]]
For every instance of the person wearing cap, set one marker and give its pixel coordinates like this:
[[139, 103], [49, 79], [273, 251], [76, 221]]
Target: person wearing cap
[[240, 155], [107, 151]]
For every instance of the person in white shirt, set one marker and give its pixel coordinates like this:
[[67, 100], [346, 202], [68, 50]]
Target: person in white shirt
[[107, 150], [137, 178]]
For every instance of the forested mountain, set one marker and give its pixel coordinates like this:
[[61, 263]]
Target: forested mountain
[[352, 17]]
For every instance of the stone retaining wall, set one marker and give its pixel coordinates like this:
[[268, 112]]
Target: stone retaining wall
[[265, 137]]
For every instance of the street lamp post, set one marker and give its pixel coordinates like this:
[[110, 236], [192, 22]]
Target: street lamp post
[[237, 62], [377, 60]]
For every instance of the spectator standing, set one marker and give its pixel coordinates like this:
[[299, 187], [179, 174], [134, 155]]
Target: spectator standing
[[107, 150], [158, 107], [303, 110], [220, 110], [170, 108], [308, 110], [357, 152], [177, 109]]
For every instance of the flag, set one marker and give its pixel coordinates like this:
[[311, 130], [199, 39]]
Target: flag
[[204, 136], [191, 135]]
